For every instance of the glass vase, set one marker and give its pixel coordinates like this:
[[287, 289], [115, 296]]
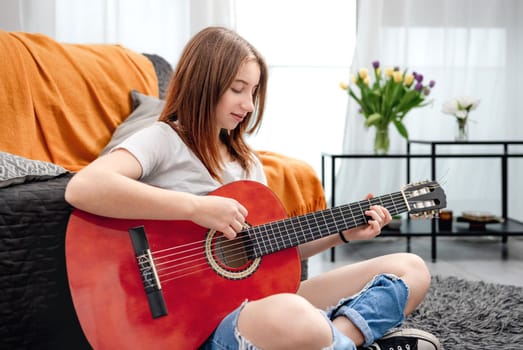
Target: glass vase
[[381, 140], [462, 133]]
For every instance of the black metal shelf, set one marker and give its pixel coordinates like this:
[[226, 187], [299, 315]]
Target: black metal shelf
[[415, 228], [419, 228]]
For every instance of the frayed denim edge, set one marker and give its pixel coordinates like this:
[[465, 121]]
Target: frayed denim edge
[[355, 317], [243, 343]]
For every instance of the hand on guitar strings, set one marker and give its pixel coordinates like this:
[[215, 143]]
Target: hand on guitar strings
[[222, 214], [378, 217]]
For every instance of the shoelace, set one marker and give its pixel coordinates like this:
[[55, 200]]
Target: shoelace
[[398, 347]]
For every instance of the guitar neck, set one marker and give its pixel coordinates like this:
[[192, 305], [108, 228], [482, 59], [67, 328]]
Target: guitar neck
[[274, 236]]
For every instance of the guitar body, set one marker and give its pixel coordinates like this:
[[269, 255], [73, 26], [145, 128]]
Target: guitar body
[[108, 292]]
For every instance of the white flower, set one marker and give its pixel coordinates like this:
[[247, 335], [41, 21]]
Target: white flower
[[468, 103], [461, 114], [460, 106]]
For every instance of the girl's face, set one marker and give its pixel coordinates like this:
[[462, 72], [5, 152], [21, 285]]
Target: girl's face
[[237, 100]]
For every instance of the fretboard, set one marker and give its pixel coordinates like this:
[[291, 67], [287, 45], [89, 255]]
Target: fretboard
[[277, 235]]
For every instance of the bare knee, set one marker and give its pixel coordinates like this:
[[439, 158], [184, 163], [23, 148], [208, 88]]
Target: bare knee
[[284, 321], [416, 266], [416, 275]]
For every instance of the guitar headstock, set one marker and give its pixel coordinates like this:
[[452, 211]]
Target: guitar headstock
[[424, 199]]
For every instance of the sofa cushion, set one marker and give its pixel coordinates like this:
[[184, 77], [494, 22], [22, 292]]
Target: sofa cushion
[[15, 170], [164, 72], [145, 111]]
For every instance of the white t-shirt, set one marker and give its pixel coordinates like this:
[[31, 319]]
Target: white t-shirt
[[168, 163]]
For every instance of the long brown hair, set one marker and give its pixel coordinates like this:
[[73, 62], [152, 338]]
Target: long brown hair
[[206, 69]]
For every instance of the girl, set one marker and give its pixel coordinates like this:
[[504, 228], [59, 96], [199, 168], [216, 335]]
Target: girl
[[216, 96]]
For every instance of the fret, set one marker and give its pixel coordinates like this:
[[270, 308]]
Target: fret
[[296, 237], [319, 225], [284, 231], [298, 224], [352, 215], [332, 219], [362, 212], [345, 225], [395, 210], [266, 235], [311, 224], [275, 236], [257, 234]]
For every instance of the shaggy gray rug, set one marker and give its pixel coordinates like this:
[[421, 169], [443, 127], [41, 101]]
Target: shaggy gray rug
[[471, 315]]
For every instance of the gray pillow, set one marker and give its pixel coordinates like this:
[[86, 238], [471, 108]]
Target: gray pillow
[[16, 170], [146, 110]]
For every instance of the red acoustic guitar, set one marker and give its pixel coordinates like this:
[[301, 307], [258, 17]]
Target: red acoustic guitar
[[145, 284]]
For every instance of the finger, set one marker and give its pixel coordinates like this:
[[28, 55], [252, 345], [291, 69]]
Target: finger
[[378, 229], [379, 215], [388, 217], [375, 213], [373, 229], [237, 226], [384, 213], [229, 232], [243, 211]]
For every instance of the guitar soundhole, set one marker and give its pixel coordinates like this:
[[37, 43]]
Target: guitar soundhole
[[231, 259], [231, 252]]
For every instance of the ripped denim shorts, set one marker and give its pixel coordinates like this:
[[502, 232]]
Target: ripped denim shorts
[[378, 307]]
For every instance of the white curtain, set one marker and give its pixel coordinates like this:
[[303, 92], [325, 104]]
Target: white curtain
[[469, 47], [155, 26]]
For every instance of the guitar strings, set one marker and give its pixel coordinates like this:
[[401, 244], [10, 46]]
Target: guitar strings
[[201, 266], [241, 249], [238, 249], [242, 246], [300, 219], [286, 219], [189, 270]]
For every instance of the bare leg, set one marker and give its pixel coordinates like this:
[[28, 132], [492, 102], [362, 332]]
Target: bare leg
[[289, 321], [327, 289], [284, 321]]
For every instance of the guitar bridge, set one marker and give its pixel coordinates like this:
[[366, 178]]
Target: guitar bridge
[[150, 280]]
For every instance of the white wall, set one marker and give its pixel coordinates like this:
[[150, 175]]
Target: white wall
[[28, 15]]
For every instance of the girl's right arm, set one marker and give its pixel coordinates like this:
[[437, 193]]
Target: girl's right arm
[[109, 186]]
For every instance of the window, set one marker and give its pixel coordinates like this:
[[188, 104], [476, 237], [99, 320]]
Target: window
[[308, 46]]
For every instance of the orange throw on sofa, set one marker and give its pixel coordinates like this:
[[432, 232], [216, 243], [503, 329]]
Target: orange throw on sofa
[[295, 183], [61, 102]]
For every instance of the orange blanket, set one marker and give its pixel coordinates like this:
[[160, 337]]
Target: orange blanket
[[295, 183], [61, 102]]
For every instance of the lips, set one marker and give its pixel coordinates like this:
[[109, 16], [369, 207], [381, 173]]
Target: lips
[[238, 117]]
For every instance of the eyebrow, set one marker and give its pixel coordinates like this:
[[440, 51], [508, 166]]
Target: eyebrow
[[241, 81]]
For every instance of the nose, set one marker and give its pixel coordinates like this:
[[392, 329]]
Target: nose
[[247, 103]]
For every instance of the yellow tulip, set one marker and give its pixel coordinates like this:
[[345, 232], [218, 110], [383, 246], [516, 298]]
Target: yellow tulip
[[397, 76], [366, 81], [353, 79], [409, 78], [388, 72], [378, 71], [364, 72], [344, 85]]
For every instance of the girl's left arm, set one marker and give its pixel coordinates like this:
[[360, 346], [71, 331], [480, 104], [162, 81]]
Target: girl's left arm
[[380, 217]]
